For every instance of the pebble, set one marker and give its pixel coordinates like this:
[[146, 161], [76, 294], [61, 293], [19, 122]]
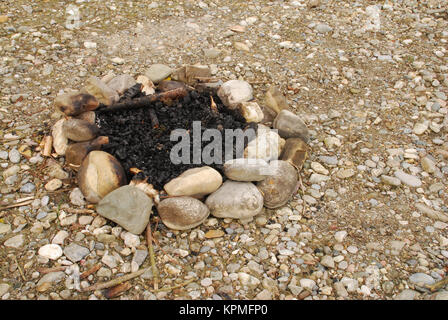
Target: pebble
[[27, 187], [15, 242], [53, 185], [246, 169], [407, 179], [74, 252], [407, 294], [421, 278], [51, 251], [327, 261], [234, 92], [158, 72], [340, 236], [14, 156]]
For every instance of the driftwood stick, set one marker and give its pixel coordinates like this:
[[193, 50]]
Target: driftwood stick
[[92, 270], [79, 211], [112, 283], [438, 285], [20, 269], [154, 119], [54, 269], [117, 290], [152, 258], [17, 205], [146, 101], [48, 143], [174, 287]]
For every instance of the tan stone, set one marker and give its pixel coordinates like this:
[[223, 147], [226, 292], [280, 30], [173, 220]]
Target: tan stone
[[295, 152], [275, 100], [100, 173], [182, 213], [196, 182], [100, 91], [251, 111], [60, 140]]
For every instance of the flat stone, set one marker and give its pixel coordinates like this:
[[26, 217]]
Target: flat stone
[[75, 103], [14, 156], [127, 206], [60, 140], [340, 235], [80, 130], [433, 214], [345, 173], [407, 294], [4, 288], [139, 257], [15, 242], [60, 237], [50, 251], [236, 200], [246, 169], [278, 188], [53, 185], [234, 92], [4, 228], [407, 179], [101, 91], [121, 83], [74, 252], [421, 278], [195, 182], [52, 277], [290, 125], [77, 198], [392, 181], [327, 261], [307, 284], [182, 213], [323, 28], [275, 100], [428, 165], [295, 152]]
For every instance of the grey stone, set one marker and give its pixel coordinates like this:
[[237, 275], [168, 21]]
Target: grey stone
[[421, 278], [237, 200], [14, 156], [407, 179], [52, 277], [182, 213], [15, 242], [4, 287], [27, 187], [407, 294], [74, 252], [323, 28], [139, 256], [246, 169], [127, 206], [121, 83], [290, 125], [158, 72], [278, 188]]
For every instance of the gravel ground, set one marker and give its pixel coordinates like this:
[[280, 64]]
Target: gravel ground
[[372, 222]]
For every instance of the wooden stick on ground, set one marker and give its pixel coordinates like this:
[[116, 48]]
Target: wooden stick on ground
[[48, 143], [112, 283], [92, 270], [438, 285], [117, 290], [54, 269], [174, 287], [20, 269], [16, 205], [152, 258]]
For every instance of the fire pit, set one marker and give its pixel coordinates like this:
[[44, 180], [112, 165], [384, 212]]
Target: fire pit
[[191, 147]]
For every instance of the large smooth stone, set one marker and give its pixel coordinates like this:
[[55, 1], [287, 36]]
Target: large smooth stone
[[88, 116], [295, 152], [275, 100], [75, 103], [290, 125], [267, 145], [251, 111], [127, 206], [158, 72], [182, 213], [121, 83], [80, 130], [100, 173], [278, 188], [76, 152], [246, 169], [195, 182], [236, 200], [101, 91], [60, 140], [234, 92]]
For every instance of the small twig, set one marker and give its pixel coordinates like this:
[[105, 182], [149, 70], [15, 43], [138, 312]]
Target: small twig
[[48, 143], [117, 290], [303, 193], [49, 270], [151, 256], [112, 283], [17, 205], [20, 269], [79, 211], [438, 285], [87, 273], [174, 287]]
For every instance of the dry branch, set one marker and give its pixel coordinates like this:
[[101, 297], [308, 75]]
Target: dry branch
[[117, 290], [112, 283], [92, 270]]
